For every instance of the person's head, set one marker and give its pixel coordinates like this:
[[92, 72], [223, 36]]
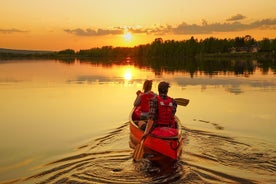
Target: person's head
[[147, 85], [163, 87]]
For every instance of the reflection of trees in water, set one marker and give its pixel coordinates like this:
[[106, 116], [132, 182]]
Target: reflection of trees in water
[[267, 65], [206, 66], [67, 60], [193, 66]]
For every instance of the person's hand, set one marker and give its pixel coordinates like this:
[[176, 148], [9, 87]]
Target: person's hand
[[138, 92], [144, 136]]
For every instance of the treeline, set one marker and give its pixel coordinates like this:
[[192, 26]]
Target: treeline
[[239, 46], [21, 54], [186, 48]]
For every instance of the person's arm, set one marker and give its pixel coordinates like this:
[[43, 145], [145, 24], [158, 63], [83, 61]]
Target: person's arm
[[174, 106], [149, 126], [151, 117], [137, 101]]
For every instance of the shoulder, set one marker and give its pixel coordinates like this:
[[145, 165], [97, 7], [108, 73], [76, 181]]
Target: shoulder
[[154, 95], [174, 102], [172, 99], [151, 93], [154, 98]]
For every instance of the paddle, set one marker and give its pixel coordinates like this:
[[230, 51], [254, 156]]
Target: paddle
[[139, 151], [182, 101]]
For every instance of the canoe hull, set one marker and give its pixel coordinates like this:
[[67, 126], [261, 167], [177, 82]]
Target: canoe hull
[[162, 146]]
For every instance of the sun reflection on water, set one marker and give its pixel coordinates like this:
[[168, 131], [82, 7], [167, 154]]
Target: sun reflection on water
[[128, 74]]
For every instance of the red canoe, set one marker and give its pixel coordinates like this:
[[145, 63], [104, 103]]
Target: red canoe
[[170, 147]]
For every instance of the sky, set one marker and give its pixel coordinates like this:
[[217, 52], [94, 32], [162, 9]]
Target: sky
[[84, 24]]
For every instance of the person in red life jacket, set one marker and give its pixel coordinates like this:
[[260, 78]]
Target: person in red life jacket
[[142, 102], [162, 109]]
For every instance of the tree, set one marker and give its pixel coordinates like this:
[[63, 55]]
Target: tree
[[265, 45]]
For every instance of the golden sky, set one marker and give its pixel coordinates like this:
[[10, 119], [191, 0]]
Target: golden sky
[[84, 24]]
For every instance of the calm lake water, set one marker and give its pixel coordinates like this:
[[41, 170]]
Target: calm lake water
[[66, 122]]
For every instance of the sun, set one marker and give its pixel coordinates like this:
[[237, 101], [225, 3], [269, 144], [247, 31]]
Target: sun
[[128, 36]]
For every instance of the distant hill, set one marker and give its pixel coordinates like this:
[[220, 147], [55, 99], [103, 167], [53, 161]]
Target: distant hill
[[13, 51]]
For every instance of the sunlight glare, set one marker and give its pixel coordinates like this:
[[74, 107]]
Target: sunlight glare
[[128, 74], [128, 36]]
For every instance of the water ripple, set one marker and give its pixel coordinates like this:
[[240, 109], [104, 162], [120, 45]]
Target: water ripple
[[207, 158]]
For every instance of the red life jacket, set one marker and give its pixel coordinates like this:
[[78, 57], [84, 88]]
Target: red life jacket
[[145, 98], [165, 115]]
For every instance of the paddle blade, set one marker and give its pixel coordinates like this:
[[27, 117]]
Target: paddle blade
[[138, 152], [182, 101]]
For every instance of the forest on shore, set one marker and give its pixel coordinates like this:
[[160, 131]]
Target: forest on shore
[[245, 46]]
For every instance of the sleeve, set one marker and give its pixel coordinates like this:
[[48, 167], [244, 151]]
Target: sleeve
[[152, 108], [174, 106], [137, 101]]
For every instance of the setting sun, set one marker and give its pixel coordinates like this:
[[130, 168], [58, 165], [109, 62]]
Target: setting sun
[[128, 36]]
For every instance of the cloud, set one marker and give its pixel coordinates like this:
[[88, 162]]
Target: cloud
[[206, 28], [91, 32], [236, 17], [118, 31], [264, 23], [11, 31], [231, 25]]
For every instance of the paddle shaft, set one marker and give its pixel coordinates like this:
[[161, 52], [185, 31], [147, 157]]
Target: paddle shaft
[[139, 152]]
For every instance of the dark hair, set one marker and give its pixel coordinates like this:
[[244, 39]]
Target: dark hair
[[147, 85], [163, 87]]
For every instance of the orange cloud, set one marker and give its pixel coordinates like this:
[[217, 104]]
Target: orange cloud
[[10, 31], [236, 17], [183, 28]]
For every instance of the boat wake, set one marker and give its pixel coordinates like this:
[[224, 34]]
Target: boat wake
[[217, 158], [207, 158]]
